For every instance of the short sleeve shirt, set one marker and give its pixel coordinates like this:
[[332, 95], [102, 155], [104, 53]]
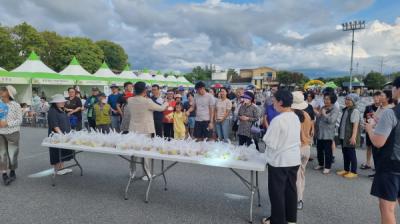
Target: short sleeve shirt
[[386, 123], [222, 106], [203, 104], [73, 104]]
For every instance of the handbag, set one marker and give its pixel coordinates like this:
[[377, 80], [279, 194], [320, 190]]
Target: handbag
[[255, 128]]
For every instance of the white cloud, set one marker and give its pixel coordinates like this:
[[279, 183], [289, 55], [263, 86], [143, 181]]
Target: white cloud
[[284, 34]]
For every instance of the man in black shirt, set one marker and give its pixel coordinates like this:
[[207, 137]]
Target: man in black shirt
[[368, 113], [158, 116]]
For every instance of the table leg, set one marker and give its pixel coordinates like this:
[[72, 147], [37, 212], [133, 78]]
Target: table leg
[[251, 196], [258, 190], [149, 175], [78, 164], [163, 174], [132, 175]]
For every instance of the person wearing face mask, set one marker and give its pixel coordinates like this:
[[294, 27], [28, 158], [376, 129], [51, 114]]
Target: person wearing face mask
[[102, 111], [248, 114], [58, 122]]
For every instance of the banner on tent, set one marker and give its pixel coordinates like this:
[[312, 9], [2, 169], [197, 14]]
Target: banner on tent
[[13, 80], [92, 83], [53, 81]]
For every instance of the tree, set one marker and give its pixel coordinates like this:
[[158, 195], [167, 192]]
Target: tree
[[86, 51], [56, 53], [198, 73], [27, 39], [374, 80], [289, 78], [114, 54], [232, 74], [8, 52]]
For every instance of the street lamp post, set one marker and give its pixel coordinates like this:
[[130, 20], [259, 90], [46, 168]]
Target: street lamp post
[[352, 26]]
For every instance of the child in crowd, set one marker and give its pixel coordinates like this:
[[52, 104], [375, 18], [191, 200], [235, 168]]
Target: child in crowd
[[180, 120], [102, 112]]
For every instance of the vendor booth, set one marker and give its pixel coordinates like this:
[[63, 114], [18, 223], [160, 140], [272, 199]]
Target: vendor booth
[[42, 79]]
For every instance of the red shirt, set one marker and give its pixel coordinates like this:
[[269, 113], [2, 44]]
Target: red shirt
[[168, 113]]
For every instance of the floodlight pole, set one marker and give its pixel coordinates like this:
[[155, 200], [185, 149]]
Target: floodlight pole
[[352, 26]]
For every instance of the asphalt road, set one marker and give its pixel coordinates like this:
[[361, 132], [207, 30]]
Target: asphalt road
[[196, 194]]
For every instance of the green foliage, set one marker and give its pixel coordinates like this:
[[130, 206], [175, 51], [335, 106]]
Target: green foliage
[[27, 39], [232, 73], [8, 52], [374, 80], [199, 73], [114, 54], [57, 51], [289, 78], [87, 52], [338, 80]]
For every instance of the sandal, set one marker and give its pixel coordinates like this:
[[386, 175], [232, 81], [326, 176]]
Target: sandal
[[365, 167], [266, 220]]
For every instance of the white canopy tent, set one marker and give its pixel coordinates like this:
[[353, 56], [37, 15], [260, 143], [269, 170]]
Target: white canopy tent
[[42, 79], [127, 73], [74, 68], [146, 77], [104, 71]]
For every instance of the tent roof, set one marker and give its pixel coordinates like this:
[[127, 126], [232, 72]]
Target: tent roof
[[33, 64], [145, 76], [171, 78], [159, 78], [74, 68], [104, 71], [127, 73], [182, 79]]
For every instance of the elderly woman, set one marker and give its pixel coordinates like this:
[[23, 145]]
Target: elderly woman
[[283, 144], [59, 123], [10, 124], [247, 115]]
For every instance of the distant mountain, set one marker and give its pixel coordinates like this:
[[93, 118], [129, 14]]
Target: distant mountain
[[314, 73]]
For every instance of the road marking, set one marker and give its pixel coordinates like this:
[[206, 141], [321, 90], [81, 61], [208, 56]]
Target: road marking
[[236, 196], [44, 173]]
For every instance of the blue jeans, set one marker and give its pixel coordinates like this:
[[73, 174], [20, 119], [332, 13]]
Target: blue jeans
[[223, 129], [116, 123]]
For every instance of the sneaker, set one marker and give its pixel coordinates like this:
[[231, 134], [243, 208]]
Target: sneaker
[[365, 167], [300, 205], [318, 167], [342, 173], [63, 172], [326, 171], [350, 175], [12, 175], [6, 179]]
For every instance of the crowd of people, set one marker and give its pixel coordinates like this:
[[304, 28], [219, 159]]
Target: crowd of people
[[289, 123]]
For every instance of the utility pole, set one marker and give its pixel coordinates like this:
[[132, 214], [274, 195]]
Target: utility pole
[[382, 65], [352, 26]]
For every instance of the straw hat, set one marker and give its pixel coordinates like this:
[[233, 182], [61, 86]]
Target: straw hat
[[58, 98], [298, 101], [11, 91]]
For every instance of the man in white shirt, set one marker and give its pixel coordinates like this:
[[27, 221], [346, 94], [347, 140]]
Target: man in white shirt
[[283, 156]]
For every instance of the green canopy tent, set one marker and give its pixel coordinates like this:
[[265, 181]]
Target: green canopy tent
[[21, 83], [42, 78], [84, 80]]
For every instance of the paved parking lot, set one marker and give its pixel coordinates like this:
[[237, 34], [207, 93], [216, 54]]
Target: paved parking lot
[[196, 194]]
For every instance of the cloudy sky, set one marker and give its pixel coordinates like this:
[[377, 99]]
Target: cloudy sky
[[180, 34]]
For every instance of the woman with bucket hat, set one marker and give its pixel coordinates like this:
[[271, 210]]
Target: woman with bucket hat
[[59, 123], [10, 124], [307, 128]]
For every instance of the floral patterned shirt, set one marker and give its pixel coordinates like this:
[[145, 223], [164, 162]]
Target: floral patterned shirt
[[14, 118]]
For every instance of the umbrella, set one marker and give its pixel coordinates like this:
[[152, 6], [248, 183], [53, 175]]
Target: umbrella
[[330, 84]]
